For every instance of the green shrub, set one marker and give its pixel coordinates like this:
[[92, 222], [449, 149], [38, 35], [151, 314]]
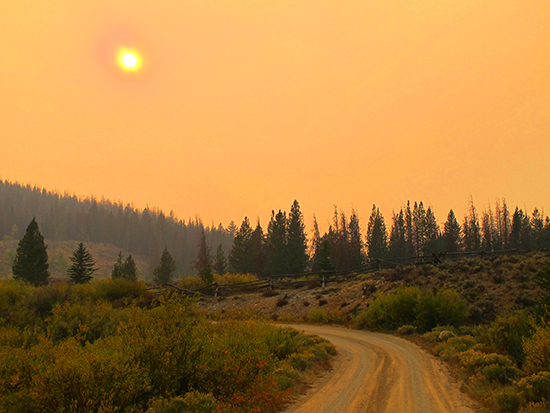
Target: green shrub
[[191, 402], [536, 387], [506, 335], [494, 367], [537, 350], [454, 346], [445, 307], [324, 316], [536, 407], [507, 399]]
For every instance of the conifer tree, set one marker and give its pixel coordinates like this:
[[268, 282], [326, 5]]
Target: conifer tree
[[296, 240], [118, 268], [315, 245], [83, 267], [258, 250], [130, 269], [162, 274], [324, 263], [204, 259], [451, 234], [397, 246], [220, 264], [240, 256], [31, 259], [377, 243], [356, 244], [276, 244]]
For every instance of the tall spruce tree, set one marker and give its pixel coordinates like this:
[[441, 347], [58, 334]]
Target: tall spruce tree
[[83, 267], [220, 264], [451, 234], [276, 244], [356, 244], [296, 240], [397, 245], [31, 259], [315, 245], [258, 250], [204, 259], [162, 274], [124, 268], [377, 243], [240, 256]]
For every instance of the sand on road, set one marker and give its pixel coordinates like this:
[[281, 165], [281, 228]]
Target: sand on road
[[378, 373]]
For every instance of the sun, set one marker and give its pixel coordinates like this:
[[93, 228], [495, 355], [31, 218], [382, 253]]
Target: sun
[[129, 60]]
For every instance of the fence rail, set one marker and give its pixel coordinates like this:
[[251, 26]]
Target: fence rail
[[282, 281]]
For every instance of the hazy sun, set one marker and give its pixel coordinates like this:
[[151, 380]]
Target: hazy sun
[[129, 60]]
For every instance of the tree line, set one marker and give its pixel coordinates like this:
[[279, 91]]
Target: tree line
[[284, 247]]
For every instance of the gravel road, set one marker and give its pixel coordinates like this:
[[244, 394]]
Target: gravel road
[[377, 373]]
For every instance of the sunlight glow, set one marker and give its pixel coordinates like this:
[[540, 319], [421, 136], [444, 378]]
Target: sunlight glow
[[129, 60]]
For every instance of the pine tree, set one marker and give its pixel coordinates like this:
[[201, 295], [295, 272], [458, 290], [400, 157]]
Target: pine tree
[[397, 247], [31, 259], [471, 230], [118, 268], [296, 240], [276, 244], [258, 250], [124, 269], [240, 256], [163, 272], [451, 234], [220, 264], [324, 263], [377, 243], [83, 267], [356, 244], [204, 259], [130, 269], [315, 245]]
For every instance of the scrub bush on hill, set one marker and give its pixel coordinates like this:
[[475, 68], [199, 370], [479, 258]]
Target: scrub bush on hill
[[412, 306]]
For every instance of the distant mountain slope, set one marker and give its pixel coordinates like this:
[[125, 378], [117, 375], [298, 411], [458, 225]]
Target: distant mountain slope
[[145, 233]]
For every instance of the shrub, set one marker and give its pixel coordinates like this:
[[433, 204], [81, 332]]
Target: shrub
[[192, 402], [324, 316], [494, 367], [506, 335], [539, 407], [406, 330], [507, 399], [537, 350], [536, 387], [454, 346], [445, 307]]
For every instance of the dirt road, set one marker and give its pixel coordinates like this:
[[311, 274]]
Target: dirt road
[[377, 373]]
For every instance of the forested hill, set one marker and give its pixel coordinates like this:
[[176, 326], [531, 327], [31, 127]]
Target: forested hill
[[66, 217]]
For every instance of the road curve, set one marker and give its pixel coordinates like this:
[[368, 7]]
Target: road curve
[[377, 373]]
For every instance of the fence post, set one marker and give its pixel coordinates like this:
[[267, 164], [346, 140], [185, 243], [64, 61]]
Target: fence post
[[323, 282], [379, 264], [270, 284], [217, 290]]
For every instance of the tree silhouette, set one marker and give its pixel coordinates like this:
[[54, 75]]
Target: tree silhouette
[[31, 259], [163, 272], [82, 269]]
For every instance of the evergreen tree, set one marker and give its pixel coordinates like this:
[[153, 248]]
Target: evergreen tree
[[162, 274], [258, 250], [315, 245], [376, 235], [130, 269], [204, 259], [276, 244], [471, 230], [433, 242], [296, 240], [397, 246], [409, 231], [356, 244], [419, 228], [118, 268], [83, 267], [220, 265], [240, 256], [31, 259], [451, 234], [124, 269], [324, 263]]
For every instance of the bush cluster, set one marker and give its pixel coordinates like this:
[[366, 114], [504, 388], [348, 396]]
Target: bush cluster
[[93, 356], [412, 306]]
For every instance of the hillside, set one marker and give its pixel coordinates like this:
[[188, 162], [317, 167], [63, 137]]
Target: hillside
[[491, 286]]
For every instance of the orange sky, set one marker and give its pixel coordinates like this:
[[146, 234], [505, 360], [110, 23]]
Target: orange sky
[[245, 105]]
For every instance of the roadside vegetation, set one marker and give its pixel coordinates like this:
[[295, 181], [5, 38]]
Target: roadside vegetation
[[111, 346]]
